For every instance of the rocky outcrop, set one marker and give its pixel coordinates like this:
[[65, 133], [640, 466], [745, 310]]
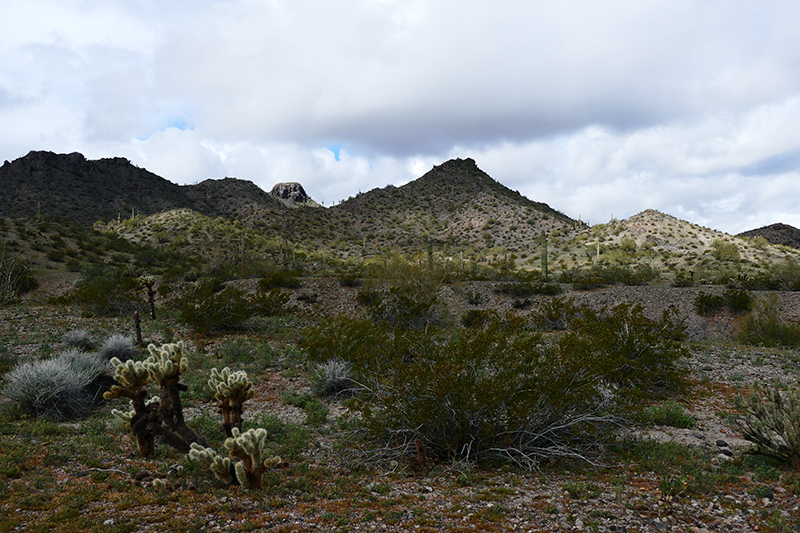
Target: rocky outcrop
[[292, 194]]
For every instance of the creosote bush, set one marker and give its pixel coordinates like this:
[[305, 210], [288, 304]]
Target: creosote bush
[[763, 326], [210, 305]]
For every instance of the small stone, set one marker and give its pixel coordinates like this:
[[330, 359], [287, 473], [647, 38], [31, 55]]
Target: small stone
[[721, 443], [109, 522], [698, 435]]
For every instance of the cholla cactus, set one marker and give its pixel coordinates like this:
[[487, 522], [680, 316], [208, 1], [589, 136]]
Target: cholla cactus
[[231, 389], [167, 362], [220, 466], [133, 379], [772, 422], [245, 464], [165, 417], [132, 376]]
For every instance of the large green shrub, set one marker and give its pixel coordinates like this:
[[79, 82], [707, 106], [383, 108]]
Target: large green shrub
[[106, 291], [630, 353], [209, 305], [763, 326], [404, 294]]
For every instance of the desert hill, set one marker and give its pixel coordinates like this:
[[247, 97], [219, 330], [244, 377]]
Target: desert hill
[[70, 188], [776, 234]]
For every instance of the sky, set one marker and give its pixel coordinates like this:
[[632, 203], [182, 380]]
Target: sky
[[601, 109]]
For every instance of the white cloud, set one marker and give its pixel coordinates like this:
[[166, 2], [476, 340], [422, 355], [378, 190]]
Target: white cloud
[[686, 106]]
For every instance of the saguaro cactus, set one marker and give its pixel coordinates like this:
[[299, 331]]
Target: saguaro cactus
[[544, 255], [231, 389], [245, 464]]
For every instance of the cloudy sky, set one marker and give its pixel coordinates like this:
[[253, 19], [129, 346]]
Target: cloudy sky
[[599, 108]]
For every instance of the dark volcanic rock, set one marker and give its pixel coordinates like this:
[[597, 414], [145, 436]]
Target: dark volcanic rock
[[776, 234]]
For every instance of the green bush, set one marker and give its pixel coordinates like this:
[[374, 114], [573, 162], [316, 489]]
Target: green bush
[[600, 276], [106, 291], [80, 339], [736, 300], [208, 305], [555, 314], [405, 295], [280, 279], [478, 392], [668, 413], [763, 326], [15, 278], [527, 289], [632, 354]]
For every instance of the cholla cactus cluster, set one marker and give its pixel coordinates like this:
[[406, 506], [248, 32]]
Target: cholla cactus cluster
[[245, 464], [772, 421], [231, 390], [165, 416]]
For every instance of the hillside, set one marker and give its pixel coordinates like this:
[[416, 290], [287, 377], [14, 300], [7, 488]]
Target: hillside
[[776, 234], [71, 188]]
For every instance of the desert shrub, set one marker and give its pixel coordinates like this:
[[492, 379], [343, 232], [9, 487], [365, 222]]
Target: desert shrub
[[80, 339], [368, 347], [280, 279], [724, 251], [209, 305], [600, 276], [527, 289], [772, 421], [15, 278], [236, 351], [477, 318], [120, 346], [490, 391], [106, 291], [707, 304], [57, 388], [633, 355], [736, 300], [668, 413], [316, 411], [784, 276], [405, 295], [94, 367], [555, 313], [334, 377], [763, 326]]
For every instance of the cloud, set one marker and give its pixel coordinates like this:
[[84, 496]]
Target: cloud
[[686, 106]]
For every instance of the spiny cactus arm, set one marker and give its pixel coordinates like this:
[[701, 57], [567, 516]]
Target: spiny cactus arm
[[219, 466], [131, 375], [166, 362], [232, 387]]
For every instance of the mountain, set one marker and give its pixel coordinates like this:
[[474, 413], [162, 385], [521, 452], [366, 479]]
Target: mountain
[[776, 234], [455, 203], [70, 188]]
